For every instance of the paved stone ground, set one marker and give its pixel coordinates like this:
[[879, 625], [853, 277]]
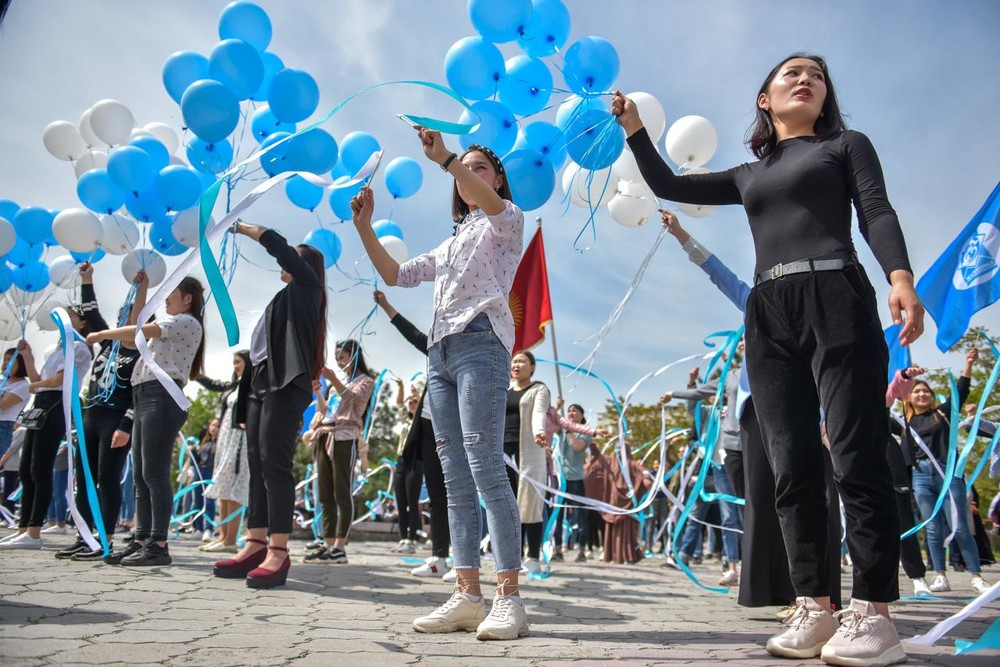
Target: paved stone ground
[[60, 612]]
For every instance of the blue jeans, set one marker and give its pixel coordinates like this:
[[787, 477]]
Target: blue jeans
[[200, 500], [731, 519], [693, 539], [6, 435], [926, 488], [58, 507], [467, 383], [577, 518]]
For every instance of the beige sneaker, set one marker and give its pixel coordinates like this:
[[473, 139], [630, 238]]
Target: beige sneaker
[[458, 613], [507, 620], [805, 633], [864, 639]]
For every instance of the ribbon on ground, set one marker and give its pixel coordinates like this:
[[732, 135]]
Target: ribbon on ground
[[989, 640], [945, 626]]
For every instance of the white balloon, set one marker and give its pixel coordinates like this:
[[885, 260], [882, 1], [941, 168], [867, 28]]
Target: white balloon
[[626, 168], [165, 134], [634, 204], [77, 230], [121, 234], [395, 247], [697, 210], [139, 132], [63, 271], [90, 160], [87, 132], [654, 118], [23, 299], [8, 236], [44, 320], [144, 259], [691, 141], [185, 226], [62, 139], [111, 121], [589, 189], [10, 329]]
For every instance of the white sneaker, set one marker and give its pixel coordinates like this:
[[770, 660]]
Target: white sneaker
[[450, 577], [408, 547], [22, 541], [10, 537], [507, 620], [805, 633], [730, 578], [920, 587], [458, 613], [979, 585], [206, 536], [432, 567], [864, 638], [940, 584], [531, 566], [54, 530]]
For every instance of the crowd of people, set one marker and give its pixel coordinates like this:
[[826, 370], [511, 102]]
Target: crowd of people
[[803, 433]]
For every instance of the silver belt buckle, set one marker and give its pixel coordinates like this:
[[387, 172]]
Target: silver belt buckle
[[777, 271]]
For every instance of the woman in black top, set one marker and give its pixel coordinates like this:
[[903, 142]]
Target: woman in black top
[[286, 353], [813, 340]]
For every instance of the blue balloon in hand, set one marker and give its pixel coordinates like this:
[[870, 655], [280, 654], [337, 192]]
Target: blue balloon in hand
[[403, 177], [293, 95], [595, 140], [6, 278], [387, 228], [263, 124], [500, 21], [94, 256], [473, 68], [355, 150], [32, 277], [497, 129], [590, 65], [210, 110], [272, 65], [531, 178], [131, 169], [33, 224], [547, 30], [209, 158], [340, 198], [314, 151], [327, 243], [238, 65], [273, 161], [182, 69], [246, 21], [24, 253], [98, 193], [302, 193], [544, 138], [527, 85], [158, 153], [178, 187]]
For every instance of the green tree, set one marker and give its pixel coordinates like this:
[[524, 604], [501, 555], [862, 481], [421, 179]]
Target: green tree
[[644, 423], [204, 408]]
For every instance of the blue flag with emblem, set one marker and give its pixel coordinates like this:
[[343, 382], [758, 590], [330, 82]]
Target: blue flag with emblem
[[899, 356], [966, 277]]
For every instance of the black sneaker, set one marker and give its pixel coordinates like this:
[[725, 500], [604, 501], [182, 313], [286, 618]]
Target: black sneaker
[[557, 557], [581, 558], [336, 556], [316, 555], [92, 554], [151, 554], [73, 549], [116, 557]]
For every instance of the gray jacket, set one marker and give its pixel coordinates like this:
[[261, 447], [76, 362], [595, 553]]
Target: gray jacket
[[729, 437]]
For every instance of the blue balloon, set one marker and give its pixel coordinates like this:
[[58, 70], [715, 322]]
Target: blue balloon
[[272, 65], [32, 277], [302, 193], [181, 70], [98, 193], [526, 86], [590, 65], [147, 206], [403, 177], [24, 253], [340, 199], [273, 162], [547, 30], [238, 65], [314, 150], [387, 228], [500, 21], [6, 278], [595, 140], [246, 21], [158, 153], [326, 242], [210, 110], [355, 150], [497, 129], [339, 170], [178, 187], [531, 177], [33, 224], [473, 68], [209, 158], [161, 237], [131, 169], [293, 95], [263, 124], [574, 106], [544, 138], [93, 256], [8, 209]]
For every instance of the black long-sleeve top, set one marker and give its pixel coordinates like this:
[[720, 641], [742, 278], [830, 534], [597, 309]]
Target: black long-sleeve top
[[418, 339], [120, 399], [797, 199], [932, 427], [226, 388]]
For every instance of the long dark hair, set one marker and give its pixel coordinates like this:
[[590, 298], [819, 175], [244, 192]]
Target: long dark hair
[[245, 356], [191, 286], [762, 137], [314, 258], [84, 329], [353, 348], [459, 209], [18, 370], [583, 416]]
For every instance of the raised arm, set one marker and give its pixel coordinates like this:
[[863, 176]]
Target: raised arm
[[151, 330], [88, 299], [411, 333], [362, 207], [277, 247], [481, 192]]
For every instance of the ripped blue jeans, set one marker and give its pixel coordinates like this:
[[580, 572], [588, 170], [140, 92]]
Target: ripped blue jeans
[[467, 379]]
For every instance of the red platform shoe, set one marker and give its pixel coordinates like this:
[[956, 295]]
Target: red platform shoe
[[231, 568], [264, 578]]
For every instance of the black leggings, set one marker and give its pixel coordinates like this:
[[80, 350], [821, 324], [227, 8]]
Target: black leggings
[[158, 420], [409, 479], [909, 549], [436, 492], [336, 484], [38, 456], [106, 466]]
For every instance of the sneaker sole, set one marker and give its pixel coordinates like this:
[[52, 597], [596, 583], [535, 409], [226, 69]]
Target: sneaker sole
[[489, 635], [808, 652], [466, 626], [425, 574], [149, 563], [893, 656]]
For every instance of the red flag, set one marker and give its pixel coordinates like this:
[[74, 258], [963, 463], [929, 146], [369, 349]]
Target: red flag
[[529, 296]]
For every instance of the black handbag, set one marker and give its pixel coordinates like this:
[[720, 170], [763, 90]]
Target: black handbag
[[35, 418]]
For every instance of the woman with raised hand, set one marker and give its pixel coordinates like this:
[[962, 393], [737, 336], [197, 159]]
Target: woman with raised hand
[[468, 364], [814, 341], [286, 355], [177, 346]]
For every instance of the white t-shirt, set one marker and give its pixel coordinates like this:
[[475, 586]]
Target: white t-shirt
[[173, 351], [54, 363], [14, 387]]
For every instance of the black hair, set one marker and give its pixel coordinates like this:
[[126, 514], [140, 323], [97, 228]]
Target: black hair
[[84, 329], [314, 258], [459, 209], [353, 348], [762, 136], [18, 370], [191, 286], [579, 407], [245, 356], [530, 355]]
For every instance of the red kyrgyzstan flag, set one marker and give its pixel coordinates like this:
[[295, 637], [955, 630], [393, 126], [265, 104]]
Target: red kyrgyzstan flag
[[529, 296]]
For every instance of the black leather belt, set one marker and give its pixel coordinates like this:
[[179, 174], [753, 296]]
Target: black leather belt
[[804, 266]]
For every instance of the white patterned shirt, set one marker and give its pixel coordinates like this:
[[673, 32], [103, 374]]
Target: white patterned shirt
[[173, 350], [472, 272]]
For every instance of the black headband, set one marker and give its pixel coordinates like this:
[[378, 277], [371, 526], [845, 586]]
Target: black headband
[[488, 153]]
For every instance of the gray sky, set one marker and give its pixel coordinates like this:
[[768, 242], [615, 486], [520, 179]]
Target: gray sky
[[918, 77]]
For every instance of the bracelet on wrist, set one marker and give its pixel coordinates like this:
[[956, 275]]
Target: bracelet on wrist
[[447, 162]]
